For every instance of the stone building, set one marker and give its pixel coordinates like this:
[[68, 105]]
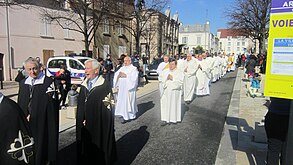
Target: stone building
[[192, 36], [160, 35], [25, 32], [232, 41]]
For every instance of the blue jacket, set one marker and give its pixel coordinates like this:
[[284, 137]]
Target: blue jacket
[[255, 83]]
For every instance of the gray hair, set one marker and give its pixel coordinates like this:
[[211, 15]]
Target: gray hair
[[32, 60], [95, 63]]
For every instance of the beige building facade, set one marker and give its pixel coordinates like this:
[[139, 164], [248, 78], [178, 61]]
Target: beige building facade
[[162, 36], [231, 41], [28, 34], [112, 36], [192, 36]]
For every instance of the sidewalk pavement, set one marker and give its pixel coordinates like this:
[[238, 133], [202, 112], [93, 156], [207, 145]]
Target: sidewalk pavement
[[244, 139], [67, 116]]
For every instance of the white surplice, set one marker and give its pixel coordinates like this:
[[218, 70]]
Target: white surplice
[[162, 66], [189, 83], [202, 87], [171, 97], [126, 105]]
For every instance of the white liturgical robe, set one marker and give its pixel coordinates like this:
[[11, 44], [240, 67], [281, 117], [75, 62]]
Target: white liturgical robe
[[189, 84], [171, 97], [126, 105], [162, 66], [202, 79]]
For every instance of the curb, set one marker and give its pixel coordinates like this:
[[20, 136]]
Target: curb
[[226, 153]]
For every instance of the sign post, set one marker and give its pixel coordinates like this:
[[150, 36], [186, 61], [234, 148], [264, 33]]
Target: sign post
[[279, 72]]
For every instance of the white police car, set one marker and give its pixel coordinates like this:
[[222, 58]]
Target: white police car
[[74, 64]]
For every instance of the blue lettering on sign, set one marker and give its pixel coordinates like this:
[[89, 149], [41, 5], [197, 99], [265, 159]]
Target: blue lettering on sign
[[283, 23]]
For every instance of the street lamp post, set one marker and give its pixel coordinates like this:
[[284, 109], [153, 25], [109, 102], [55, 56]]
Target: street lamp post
[[8, 38]]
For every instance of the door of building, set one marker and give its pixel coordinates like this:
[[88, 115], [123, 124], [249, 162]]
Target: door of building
[[46, 55]]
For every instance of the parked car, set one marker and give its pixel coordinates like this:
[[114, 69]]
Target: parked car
[[74, 64], [151, 70]]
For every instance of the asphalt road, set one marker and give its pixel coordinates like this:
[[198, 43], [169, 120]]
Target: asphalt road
[[144, 141]]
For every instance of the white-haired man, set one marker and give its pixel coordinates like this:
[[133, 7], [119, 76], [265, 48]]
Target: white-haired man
[[38, 99], [95, 120], [189, 84]]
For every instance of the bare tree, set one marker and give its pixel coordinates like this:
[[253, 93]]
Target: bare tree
[[148, 34], [83, 16], [142, 11], [252, 18]]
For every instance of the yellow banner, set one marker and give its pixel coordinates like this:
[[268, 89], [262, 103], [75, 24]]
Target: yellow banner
[[279, 70]]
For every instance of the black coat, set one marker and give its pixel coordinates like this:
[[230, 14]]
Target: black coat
[[250, 65], [13, 125], [96, 140], [44, 118]]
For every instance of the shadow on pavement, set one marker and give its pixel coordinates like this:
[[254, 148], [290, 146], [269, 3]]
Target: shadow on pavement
[[67, 155], [131, 144], [143, 107], [184, 109], [243, 129]]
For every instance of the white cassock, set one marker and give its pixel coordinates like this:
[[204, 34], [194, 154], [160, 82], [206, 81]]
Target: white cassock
[[210, 63], [234, 59], [126, 105], [162, 66], [189, 82], [181, 64], [202, 79], [216, 70], [225, 64], [171, 98]]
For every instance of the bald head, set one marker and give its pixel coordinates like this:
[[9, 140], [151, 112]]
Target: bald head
[[127, 61], [188, 57]]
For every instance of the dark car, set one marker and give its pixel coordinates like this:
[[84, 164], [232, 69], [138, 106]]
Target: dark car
[[151, 70]]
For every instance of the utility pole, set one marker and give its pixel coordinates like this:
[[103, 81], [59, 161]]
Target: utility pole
[[8, 38]]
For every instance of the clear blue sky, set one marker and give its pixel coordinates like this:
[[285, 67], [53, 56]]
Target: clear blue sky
[[199, 11]]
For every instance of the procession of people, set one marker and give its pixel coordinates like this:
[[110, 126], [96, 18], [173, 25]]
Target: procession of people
[[101, 98]]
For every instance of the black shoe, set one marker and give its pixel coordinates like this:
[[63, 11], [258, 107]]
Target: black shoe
[[187, 102], [163, 123]]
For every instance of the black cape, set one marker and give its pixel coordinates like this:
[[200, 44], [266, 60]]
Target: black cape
[[14, 130], [44, 119], [96, 140]]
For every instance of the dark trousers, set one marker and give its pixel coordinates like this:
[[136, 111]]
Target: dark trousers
[[276, 127], [63, 93], [109, 77]]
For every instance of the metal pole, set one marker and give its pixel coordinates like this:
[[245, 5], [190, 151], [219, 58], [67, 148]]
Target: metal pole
[[289, 146], [8, 39]]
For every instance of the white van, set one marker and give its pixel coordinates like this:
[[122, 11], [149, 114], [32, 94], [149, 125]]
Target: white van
[[74, 64]]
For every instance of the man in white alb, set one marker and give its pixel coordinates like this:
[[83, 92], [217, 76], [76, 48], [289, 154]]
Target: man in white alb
[[202, 73], [172, 81], [162, 66], [125, 79], [190, 69]]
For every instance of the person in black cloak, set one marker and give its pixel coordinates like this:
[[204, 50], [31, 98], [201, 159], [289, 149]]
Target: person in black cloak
[[37, 97], [95, 119], [16, 142]]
